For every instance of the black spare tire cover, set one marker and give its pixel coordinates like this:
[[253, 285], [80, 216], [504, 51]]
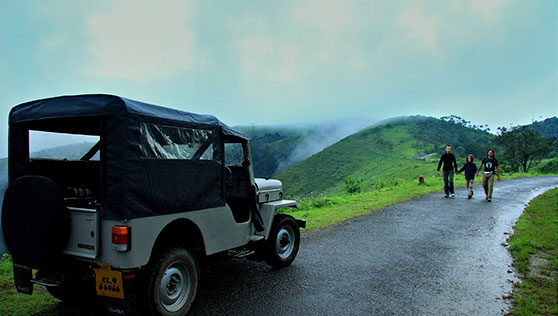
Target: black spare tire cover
[[35, 221]]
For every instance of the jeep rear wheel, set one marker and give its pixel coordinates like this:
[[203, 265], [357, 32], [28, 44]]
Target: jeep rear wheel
[[173, 283], [284, 240]]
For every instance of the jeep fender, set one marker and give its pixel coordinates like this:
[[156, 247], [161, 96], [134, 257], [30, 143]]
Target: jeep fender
[[267, 210]]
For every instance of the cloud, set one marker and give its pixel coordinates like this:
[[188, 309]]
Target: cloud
[[420, 28], [141, 40], [265, 56], [331, 17], [308, 41], [488, 9]]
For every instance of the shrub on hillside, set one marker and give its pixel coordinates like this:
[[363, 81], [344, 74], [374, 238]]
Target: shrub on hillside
[[353, 185]]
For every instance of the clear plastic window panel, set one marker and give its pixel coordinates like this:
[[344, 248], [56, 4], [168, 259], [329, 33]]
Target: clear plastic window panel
[[234, 154], [60, 146], [167, 142]]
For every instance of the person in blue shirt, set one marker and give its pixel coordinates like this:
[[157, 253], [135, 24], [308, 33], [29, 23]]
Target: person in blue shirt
[[470, 169]]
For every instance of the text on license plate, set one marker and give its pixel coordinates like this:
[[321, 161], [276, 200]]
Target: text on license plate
[[108, 282]]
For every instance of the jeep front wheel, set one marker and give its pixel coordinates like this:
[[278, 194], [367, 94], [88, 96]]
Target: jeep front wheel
[[173, 283], [284, 240]]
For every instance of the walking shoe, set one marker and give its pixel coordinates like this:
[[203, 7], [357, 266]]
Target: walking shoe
[[469, 197], [489, 200], [486, 197], [446, 196], [453, 195]]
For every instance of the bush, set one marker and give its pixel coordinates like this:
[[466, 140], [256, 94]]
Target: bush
[[550, 167], [353, 185], [321, 202]]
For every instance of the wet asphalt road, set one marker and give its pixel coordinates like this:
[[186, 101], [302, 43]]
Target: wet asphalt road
[[429, 256]]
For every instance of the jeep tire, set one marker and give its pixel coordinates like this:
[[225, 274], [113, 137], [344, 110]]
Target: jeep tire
[[283, 242], [35, 221], [172, 283]]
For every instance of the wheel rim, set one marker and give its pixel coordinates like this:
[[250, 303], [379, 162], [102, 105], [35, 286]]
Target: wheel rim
[[284, 244], [174, 288]]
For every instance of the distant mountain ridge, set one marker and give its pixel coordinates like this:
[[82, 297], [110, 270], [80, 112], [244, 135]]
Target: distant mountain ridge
[[547, 128]]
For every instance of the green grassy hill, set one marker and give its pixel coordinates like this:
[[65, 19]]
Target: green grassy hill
[[384, 155]]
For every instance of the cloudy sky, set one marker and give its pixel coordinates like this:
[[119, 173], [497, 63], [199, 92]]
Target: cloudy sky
[[275, 62]]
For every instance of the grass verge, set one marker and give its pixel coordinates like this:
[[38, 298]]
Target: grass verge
[[534, 248]]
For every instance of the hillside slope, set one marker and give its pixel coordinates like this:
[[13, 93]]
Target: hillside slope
[[383, 155]]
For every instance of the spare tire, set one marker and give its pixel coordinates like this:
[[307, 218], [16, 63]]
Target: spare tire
[[35, 221]]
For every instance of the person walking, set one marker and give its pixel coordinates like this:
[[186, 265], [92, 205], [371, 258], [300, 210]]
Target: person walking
[[450, 165], [470, 170], [490, 164]]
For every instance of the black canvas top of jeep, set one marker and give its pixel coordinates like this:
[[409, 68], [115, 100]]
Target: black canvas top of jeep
[[146, 153]]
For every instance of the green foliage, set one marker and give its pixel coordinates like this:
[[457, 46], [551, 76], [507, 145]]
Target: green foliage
[[353, 185], [535, 235], [522, 146]]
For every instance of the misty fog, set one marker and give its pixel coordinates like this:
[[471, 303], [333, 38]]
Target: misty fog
[[320, 136]]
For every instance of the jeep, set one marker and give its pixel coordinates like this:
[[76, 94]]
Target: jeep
[[127, 223]]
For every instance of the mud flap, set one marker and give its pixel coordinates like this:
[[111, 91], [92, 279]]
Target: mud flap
[[22, 279], [129, 306]]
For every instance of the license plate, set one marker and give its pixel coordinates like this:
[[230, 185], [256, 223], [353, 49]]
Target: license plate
[[108, 282]]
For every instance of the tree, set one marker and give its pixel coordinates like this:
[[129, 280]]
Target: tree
[[522, 146], [463, 122]]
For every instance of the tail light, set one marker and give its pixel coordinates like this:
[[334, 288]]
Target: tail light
[[121, 238]]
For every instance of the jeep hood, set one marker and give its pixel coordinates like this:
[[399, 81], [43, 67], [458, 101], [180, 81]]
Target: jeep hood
[[269, 190]]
